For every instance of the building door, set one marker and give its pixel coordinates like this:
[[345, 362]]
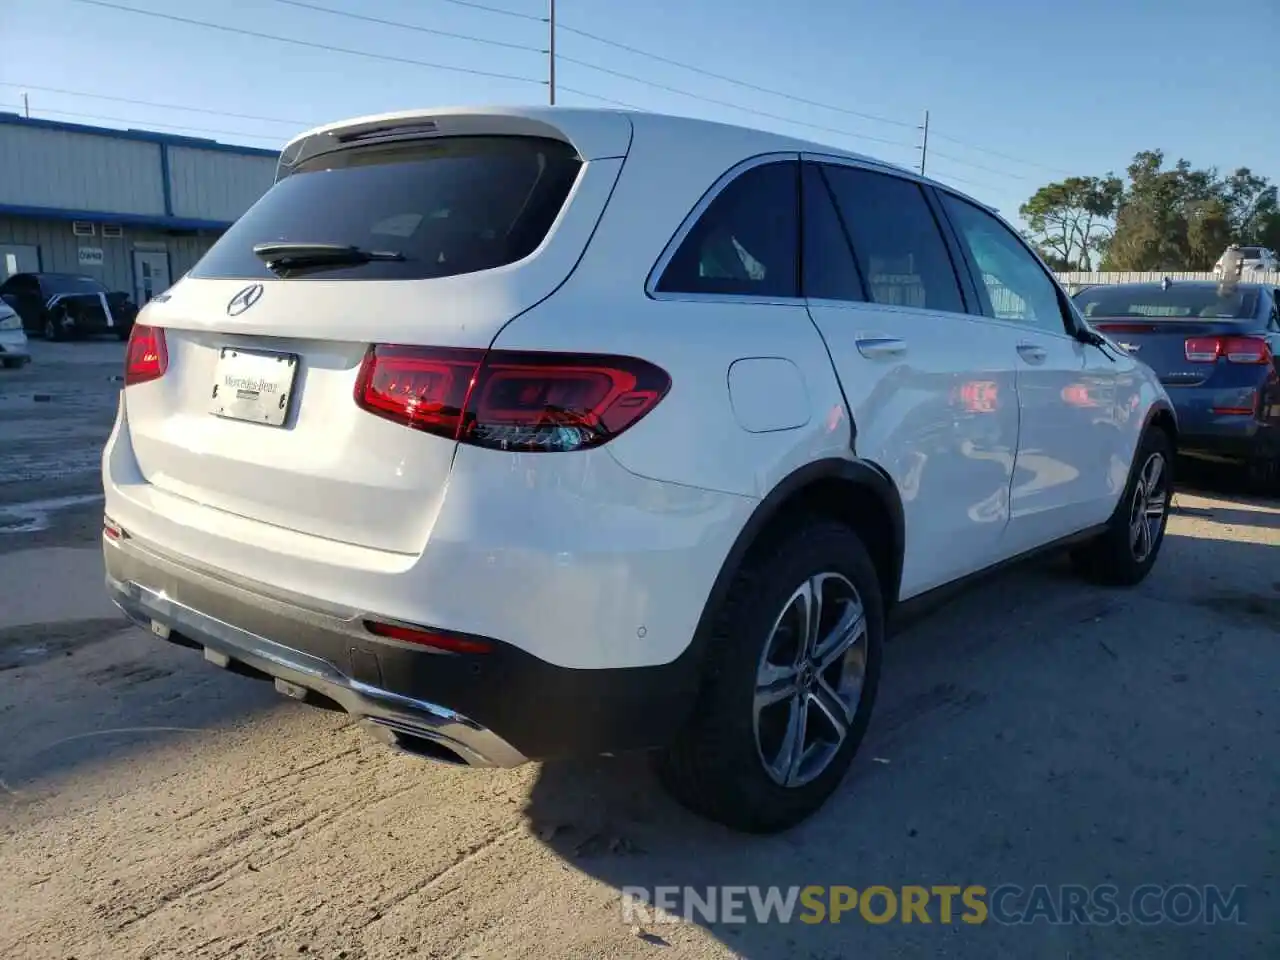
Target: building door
[[150, 274], [18, 258]]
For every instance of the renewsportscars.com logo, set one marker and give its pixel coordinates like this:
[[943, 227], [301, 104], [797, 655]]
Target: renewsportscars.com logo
[[1007, 904]]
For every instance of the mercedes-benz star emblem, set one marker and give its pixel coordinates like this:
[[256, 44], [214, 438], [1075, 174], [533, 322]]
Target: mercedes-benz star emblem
[[243, 300]]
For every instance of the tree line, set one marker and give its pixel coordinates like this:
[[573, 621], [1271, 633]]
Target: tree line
[[1155, 218]]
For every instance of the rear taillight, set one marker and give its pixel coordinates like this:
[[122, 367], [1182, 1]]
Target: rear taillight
[[506, 400], [1241, 349], [146, 359]]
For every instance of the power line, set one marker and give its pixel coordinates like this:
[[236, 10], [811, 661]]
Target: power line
[[153, 103], [506, 13], [411, 26], [733, 80], [796, 99], [309, 44], [733, 106], [977, 166], [1002, 156], [596, 96]]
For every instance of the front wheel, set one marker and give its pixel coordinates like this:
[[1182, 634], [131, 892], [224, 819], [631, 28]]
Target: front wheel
[[792, 671], [1126, 551]]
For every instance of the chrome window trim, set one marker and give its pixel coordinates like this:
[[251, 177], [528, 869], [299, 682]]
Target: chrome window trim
[[691, 220]]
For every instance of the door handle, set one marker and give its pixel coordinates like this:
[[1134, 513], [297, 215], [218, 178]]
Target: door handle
[[1032, 353], [875, 348]]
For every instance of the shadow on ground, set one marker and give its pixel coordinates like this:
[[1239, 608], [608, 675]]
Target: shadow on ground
[[1034, 731]]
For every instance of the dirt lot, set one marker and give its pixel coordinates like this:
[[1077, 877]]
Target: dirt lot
[[1033, 732]]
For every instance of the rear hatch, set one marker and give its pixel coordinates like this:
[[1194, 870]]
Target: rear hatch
[[1181, 331], [413, 240]]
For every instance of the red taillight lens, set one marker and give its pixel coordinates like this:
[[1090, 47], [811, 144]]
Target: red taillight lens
[[450, 643], [147, 358], [424, 389], [1243, 349], [534, 402], [1246, 350]]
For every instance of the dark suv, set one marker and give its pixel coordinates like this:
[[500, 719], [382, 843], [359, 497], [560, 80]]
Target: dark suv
[[58, 306]]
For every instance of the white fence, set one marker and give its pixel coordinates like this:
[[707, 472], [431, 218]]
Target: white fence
[[1074, 280]]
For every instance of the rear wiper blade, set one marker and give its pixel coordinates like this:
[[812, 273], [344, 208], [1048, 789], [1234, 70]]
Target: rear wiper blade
[[288, 255]]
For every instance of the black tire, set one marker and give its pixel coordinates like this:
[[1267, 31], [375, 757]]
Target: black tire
[[1118, 557], [53, 329], [1263, 476], [12, 363], [717, 765]]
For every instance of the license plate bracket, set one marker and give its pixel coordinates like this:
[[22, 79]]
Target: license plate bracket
[[253, 385]]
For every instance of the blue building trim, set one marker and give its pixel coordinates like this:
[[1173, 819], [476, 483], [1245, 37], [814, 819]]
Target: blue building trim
[[144, 136], [166, 185], [163, 221]]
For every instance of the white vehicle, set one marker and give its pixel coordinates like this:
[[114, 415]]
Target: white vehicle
[[1252, 260], [536, 432], [14, 351]]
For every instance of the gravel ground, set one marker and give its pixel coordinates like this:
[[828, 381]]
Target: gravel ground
[[1034, 731]]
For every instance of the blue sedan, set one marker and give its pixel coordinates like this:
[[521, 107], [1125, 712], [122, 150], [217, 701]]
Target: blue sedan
[[1216, 348]]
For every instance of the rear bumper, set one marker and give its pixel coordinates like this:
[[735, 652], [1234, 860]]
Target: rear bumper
[[494, 709], [1238, 423]]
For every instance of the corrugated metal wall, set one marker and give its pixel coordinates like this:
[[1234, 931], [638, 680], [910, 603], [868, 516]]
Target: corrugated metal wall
[[79, 171], [60, 249], [212, 185], [1077, 278]]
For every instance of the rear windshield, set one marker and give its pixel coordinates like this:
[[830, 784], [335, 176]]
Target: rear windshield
[[69, 283], [1198, 302], [448, 206]]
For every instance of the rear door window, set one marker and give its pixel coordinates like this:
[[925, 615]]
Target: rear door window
[[448, 207], [896, 240], [744, 244]]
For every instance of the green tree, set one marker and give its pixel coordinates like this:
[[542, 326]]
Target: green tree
[[1154, 220], [1071, 220], [1251, 205], [1162, 218]]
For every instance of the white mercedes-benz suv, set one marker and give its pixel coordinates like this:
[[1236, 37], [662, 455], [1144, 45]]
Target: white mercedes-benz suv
[[530, 433]]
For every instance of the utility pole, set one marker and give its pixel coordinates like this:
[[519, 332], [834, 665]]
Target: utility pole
[[551, 60], [924, 145], [26, 107]]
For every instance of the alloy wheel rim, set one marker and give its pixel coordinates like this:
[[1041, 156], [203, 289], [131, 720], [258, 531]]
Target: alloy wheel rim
[[1149, 509], [809, 679]]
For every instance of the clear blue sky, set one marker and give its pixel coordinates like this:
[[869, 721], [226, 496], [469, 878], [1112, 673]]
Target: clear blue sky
[[1055, 92]]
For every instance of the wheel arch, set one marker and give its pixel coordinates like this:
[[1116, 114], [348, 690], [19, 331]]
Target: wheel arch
[[856, 492], [1162, 416]]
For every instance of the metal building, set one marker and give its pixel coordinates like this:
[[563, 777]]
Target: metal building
[[132, 208]]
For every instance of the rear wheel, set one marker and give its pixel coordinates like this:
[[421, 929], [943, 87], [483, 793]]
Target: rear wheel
[[53, 329], [1264, 475], [1124, 554], [792, 673]]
